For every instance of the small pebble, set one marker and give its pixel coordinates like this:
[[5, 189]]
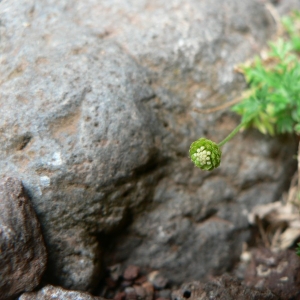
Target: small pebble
[[120, 296], [165, 293], [131, 272], [140, 280], [130, 293], [140, 292], [148, 287], [158, 281], [126, 283], [110, 283], [115, 272]]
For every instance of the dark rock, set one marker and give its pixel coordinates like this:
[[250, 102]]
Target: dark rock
[[110, 283], [126, 283], [224, 288], [165, 293], [140, 280], [120, 296], [22, 251], [131, 272], [57, 293]]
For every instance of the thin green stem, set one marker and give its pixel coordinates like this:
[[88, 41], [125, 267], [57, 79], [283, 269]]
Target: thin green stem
[[232, 134]]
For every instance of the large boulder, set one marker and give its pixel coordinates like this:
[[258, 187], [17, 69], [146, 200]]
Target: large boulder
[[96, 101]]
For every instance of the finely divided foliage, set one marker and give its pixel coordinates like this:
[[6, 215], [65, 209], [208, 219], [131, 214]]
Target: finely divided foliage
[[273, 106]]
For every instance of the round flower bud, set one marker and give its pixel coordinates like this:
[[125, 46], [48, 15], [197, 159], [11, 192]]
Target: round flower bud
[[205, 154]]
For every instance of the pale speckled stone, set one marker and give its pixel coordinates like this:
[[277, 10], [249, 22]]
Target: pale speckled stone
[[52, 292]]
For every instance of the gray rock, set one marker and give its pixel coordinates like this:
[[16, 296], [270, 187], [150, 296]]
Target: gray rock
[[57, 293], [79, 135], [22, 251], [96, 106]]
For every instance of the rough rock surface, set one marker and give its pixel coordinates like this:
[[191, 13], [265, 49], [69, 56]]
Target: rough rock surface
[[96, 119], [223, 288], [285, 6], [22, 251], [51, 292], [279, 272]]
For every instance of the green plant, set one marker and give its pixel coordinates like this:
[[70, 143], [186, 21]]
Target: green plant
[[206, 154], [272, 104]]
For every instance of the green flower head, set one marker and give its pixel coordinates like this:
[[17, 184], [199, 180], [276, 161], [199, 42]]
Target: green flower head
[[205, 154]]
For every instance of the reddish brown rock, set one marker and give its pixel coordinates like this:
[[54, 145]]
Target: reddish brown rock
[[131, 272], [57, 293], [120, 296], [110, 283], [140, 280], [126, 283], [22, 251]]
